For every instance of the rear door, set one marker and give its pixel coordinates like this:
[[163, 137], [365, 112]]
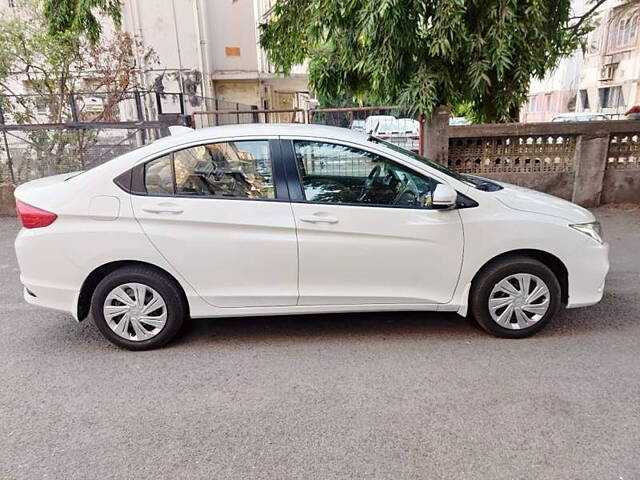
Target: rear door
[[367, 233], [219, 213]]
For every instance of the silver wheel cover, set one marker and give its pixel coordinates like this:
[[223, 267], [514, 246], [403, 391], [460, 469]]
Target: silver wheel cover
[[519, 301], [135, 312]]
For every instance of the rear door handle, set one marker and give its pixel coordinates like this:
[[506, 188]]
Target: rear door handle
[[163, 208], [318, 219]]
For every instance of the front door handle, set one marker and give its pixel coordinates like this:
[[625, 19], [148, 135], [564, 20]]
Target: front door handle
[[318, 219], [164, 208]]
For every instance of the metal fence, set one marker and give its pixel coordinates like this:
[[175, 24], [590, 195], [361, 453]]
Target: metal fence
[[46, 135], [43, 135], [120, 106], [352, 117], [238, 116], [387, 122], [36, 152]]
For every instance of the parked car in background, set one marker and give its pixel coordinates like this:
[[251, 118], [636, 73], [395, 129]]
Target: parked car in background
[[633, 113], [269, 219], [580, 117], [372, 121], [404, 132], [459, 121], [358, 125]]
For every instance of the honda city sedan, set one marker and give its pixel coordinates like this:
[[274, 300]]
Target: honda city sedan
[[291, 219]]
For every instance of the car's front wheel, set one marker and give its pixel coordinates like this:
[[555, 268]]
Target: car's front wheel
[[515, 297], [138, 308]]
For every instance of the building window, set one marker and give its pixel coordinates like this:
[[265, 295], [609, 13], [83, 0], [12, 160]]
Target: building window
[[549, 102], [593, 41], [533, 104], [611, 97], [624, 31], [584, 100]]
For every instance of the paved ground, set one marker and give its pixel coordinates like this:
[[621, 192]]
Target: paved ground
[[334, 396]]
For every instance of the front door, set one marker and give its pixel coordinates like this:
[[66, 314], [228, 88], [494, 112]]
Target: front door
[[366, 232], [214, 212]]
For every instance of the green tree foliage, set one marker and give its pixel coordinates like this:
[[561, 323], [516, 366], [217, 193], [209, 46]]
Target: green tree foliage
[[424, 53], [80, 16]]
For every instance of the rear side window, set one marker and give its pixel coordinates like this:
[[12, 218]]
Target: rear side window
[[158, 176], [240, 169]]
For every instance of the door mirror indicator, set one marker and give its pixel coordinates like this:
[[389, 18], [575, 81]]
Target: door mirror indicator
[[444, 197]]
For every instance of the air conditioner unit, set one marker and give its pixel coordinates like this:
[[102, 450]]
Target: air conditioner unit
[[607, 71]]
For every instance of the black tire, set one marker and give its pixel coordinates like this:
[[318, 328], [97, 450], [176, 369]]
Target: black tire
[[164, 285], [491, 275]]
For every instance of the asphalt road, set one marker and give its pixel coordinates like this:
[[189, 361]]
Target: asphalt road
[[390, 396]]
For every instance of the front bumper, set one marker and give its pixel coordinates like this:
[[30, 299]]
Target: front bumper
[[587, 278]]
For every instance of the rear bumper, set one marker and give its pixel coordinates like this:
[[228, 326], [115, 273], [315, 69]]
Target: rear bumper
[[50, 297], [586, 279], [49, 279]]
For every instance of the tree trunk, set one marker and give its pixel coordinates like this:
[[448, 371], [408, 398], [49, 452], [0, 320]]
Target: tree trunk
[[514, 113]]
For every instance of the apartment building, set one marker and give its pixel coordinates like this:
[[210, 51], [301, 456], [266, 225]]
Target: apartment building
[[207, 48], [554, 94], [211, 48], [611, 70], [604, 78]]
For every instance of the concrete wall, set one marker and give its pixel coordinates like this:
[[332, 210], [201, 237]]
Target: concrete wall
[[233, 46], [241, 91], [588, 163]]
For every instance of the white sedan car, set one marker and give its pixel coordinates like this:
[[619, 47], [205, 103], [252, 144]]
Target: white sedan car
[[289, 219]]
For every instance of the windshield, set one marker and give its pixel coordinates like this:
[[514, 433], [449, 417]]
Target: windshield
[[415, 156], [473, 181]]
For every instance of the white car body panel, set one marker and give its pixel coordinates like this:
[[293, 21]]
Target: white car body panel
[[364, 257], [235, 253], [373, 259]]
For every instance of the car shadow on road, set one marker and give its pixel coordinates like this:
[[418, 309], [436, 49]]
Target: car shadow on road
[[354, 327], [360, 326], [344, 325]]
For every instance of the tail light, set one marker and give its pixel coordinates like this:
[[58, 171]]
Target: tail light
[[32, 217]]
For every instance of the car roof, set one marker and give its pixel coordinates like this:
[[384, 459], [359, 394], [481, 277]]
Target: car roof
[[280, 129], [186, 136]]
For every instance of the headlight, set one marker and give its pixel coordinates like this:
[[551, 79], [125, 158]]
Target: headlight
[[593, 230]]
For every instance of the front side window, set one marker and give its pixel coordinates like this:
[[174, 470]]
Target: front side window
[[341, 174], [239, 169]]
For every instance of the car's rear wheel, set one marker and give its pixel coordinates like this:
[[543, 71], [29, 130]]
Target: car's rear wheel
[[515, 297], [138, 308]]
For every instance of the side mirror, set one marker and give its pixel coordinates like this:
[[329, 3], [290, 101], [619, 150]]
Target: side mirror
[[444, 197]]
